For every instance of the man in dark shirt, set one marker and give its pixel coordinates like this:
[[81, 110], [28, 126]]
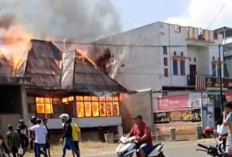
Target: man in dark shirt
[[3, 148], [23, 134], [67, 136], [143, 135], [13, 140]]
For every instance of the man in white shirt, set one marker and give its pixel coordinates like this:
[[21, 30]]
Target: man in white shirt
[[40, 138]]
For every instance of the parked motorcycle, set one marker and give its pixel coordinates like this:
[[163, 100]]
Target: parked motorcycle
[[214, 151], [128, 148]]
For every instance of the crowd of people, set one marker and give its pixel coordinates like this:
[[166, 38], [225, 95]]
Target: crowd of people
[[18, 141]]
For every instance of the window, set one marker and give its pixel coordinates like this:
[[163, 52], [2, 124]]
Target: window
[[214, 70], [213, 58], [165, 61], [174, 53], [93, 106], [57, 107], [182, 67], [109, 109], [195, 60], [102, 109], [68, 105], [190, 59], [44, 105], [182, 54], [175, 67], [80, 110], [116, 108], [165, 50], [166, 72], [88, 109]]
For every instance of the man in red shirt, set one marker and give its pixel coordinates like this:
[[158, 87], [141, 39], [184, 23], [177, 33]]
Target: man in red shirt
[[143, 135]]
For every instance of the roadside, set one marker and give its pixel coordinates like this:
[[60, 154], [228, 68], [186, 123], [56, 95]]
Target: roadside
[[91, 149]]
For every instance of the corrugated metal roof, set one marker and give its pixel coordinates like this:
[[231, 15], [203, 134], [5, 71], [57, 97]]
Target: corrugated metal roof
[[6, 68], [88, 78], [41, 65], [79, 75]]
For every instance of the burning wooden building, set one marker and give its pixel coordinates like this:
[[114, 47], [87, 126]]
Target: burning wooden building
[[51, 82]]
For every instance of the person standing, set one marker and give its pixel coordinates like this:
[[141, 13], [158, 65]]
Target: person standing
[[76, 134], [23, 135], [45, 121], [32, 133], [40, 138], [3, 148], [13, 140], [227, 116], [67, 136]]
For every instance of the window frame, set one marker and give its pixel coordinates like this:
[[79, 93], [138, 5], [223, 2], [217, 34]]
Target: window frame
[[184, 72], [166, 72], [165, 61], [101, 101], [177, 67], [165, 50]]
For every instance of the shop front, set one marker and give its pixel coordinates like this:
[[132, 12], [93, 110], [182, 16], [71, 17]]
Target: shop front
[[213, 98], [182, 112]]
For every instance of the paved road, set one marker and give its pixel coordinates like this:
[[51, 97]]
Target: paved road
[[182, 150]]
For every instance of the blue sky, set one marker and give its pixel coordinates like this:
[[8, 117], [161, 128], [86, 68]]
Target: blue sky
[[135, 13]]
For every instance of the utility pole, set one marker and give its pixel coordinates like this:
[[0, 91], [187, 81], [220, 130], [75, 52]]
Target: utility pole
[[220, 76]]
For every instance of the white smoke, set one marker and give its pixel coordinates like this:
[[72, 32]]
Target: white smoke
[[81, 20], [201, 13]]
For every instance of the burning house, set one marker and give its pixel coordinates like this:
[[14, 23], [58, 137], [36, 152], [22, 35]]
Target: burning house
[[50, 82]]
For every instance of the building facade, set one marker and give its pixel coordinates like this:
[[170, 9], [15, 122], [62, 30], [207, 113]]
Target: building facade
[[50, 82], [174, 61]]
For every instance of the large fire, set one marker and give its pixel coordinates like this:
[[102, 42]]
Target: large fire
[[14, 44]]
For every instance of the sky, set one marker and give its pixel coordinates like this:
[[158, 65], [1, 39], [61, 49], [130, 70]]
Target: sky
[[199, 13]]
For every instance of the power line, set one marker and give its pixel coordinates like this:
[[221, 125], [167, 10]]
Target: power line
[[217, 15]]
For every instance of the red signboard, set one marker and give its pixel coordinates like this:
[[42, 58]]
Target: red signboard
[[173, 102]]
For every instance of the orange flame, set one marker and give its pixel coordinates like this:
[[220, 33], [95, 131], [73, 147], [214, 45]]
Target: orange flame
[[83, 54], [15, 43]]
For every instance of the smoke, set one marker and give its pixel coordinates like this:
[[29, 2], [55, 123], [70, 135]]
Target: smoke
[[82, 20], [201, 13]]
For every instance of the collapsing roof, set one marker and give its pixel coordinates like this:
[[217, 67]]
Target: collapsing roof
[[6, 68], [79, 74], [76, 74], [43, 64]]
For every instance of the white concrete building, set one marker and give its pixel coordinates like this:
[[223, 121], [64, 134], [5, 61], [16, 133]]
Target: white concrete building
[[162, 55], [226, 33], [167, 58]]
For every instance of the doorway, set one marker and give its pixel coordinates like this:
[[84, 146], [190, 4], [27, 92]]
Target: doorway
[[193, 70], [193, 73]]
